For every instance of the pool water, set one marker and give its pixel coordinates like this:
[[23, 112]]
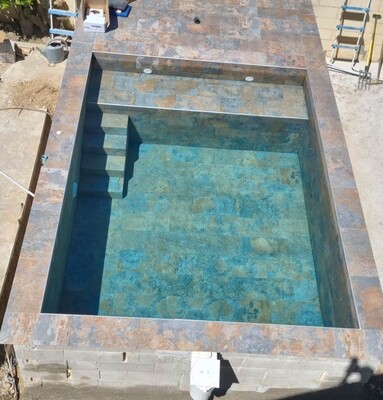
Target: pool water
[[203, 233]]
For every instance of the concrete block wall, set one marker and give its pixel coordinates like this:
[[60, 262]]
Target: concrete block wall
[[328, 13], [119, 369]]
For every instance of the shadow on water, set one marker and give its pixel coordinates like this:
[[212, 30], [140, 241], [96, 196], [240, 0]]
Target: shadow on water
[[84, 270], [88, 249], [359, 383], [132, 154]]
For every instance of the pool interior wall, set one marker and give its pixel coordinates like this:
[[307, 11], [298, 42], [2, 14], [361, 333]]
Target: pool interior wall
[[249, 235]]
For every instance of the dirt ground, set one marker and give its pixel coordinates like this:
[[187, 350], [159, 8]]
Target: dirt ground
[[31, 83]]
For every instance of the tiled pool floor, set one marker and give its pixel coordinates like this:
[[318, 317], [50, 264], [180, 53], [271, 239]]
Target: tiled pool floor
[[203, 233]]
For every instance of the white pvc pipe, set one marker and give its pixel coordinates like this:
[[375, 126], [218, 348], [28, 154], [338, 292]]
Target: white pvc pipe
[[17, 184]]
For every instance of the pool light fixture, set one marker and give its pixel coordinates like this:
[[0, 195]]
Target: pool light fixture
[[147, 71], [249, 79]]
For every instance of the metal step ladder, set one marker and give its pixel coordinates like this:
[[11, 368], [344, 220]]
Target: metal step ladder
[[358, 17], [59, 13]]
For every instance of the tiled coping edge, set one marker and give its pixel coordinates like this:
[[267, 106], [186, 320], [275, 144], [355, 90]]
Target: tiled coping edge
[[24, 325]]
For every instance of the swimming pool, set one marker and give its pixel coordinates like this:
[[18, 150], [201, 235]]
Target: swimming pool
[[187, 211], [102, 350]]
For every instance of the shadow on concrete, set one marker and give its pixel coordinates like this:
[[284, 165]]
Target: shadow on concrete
[[227, 377], [346, 391], [359, 383], [113, 23]]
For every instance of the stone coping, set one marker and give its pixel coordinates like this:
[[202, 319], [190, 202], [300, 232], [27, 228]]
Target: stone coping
[[270, 36]]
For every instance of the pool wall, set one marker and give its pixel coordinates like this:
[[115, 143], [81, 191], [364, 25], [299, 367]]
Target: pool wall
[[337, 303], [276, 355], [213, 130], [233, 131], [68, 211]]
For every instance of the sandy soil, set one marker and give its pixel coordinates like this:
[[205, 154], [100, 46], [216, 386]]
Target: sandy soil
[[31, 83]]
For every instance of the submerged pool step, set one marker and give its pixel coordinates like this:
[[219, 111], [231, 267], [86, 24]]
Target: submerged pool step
[[97, 123], [101, 186], [105, 143], [102, 164]]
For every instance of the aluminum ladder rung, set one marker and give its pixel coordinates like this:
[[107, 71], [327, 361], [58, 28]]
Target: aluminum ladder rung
[[345, 46], [55, 31], [348, 14], [352, 8], [62, 13], [350, 28]]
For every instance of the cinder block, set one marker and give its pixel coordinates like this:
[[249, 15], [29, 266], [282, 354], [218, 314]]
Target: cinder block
[[82, 381], [248, 384], [113, 375], [292, 379], [88, 375], [113, 366], [184, 382], [52, 376], [80, 356], [325, 365], [27, 363], [131, 357], [134, 367], [259, 362], [255, 373], [165, 359], [172, 368], [50, 356], [141, 367], [23, 352], [175, 354], [170, 379], [82, 365], [41, 355], [44, 367], [110, 357], [148, 358], [31, 382], [115, 384], [141, 378], [248, 362]]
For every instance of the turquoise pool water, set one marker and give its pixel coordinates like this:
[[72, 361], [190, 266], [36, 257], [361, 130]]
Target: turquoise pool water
[[203, 233]]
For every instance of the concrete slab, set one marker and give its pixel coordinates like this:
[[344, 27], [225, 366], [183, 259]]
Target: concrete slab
[[20, 133]]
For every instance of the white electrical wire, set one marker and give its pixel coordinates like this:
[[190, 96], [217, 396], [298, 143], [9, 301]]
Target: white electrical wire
[[17, 184]]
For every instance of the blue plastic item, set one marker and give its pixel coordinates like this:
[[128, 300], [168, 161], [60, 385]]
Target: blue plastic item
[[120, 13]]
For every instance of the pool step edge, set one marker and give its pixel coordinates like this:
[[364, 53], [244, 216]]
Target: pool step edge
[[102, 164], [98, 121], [101, 186], [105, 143]]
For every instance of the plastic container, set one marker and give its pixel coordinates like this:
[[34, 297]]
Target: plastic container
[[56, 50]]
